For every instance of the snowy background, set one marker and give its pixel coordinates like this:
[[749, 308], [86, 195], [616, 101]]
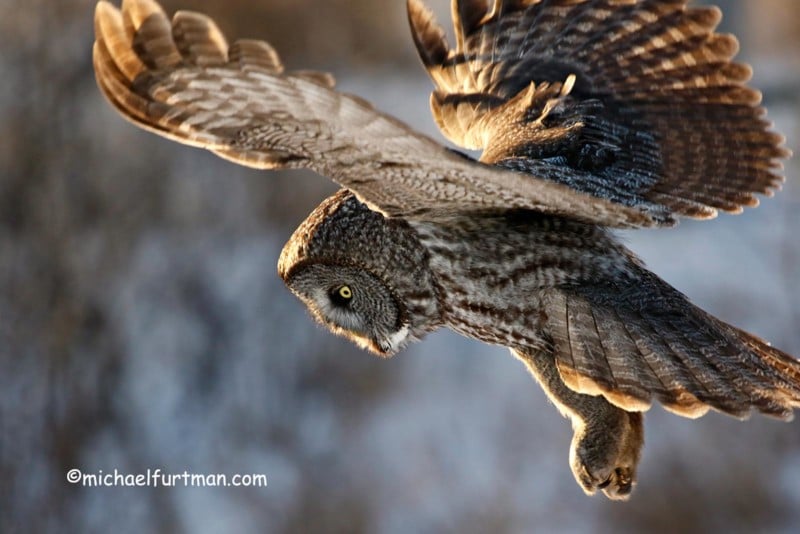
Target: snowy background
[[143, 324]]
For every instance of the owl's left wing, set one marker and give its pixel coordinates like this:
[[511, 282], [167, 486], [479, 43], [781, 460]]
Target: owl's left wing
[[637, 101], [181, 80]]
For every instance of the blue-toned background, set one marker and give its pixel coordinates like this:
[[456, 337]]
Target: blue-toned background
[[143, 325]]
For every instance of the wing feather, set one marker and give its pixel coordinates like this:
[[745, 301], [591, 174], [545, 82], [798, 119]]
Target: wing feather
[[659, 110], [588, 356], [681, 393], [635, 380], [198, 38], [632, 341], [181, 79]]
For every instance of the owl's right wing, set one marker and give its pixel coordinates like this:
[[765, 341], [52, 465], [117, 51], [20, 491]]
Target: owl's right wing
[[637, 101], [639, 339], [181, 80]]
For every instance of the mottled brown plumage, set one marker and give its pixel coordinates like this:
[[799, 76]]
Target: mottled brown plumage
[[591, 114], [638, 102]]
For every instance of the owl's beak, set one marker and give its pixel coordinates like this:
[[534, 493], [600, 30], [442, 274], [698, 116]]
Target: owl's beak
[[375, 346], [394, 343], [381, 348], [386, 347]]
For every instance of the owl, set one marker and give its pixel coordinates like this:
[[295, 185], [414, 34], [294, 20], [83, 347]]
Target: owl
[[589, 115]]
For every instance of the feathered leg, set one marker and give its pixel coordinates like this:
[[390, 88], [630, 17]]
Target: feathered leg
[[607, 443]]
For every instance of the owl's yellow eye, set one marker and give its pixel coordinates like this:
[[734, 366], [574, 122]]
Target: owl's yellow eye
[[341, 296], [345, 292]]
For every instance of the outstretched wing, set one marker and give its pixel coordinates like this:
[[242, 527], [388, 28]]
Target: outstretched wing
[[636, 101], [636, 340], [180, 79]]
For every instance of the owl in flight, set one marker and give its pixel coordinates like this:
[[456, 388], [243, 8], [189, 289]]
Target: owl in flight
[[590, 114]]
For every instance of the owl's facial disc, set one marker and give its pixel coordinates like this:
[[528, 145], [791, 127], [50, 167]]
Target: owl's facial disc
[[352, 303]]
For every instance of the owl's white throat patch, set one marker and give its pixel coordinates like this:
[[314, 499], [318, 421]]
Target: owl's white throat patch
[[396, 341], [385, 348]]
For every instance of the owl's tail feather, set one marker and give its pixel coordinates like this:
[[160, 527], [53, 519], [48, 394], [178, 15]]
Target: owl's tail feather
[[640, 340]]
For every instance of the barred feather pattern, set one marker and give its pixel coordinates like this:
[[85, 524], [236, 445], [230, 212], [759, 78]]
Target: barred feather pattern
[[636, 339], [182, 80], [613, 113], [542, 284], [659, 113], [492, 269]]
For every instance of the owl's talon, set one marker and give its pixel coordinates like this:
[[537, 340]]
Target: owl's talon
[[605, 454], [620, 485], [617, 485]]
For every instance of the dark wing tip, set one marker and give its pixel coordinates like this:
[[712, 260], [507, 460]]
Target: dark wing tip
[[467, 17], [707, 17], [428, 35], [659, 65], [141, 59], [199, 39]]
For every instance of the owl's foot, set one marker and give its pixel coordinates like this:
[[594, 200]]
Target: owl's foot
[[605, 452], [608, 440]]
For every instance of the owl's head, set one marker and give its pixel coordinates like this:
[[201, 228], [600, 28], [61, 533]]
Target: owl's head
[[361, 275]]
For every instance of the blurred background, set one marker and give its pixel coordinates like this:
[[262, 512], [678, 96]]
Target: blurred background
[[143, 325]]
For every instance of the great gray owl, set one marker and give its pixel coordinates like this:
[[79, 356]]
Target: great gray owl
[[590, 114]]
